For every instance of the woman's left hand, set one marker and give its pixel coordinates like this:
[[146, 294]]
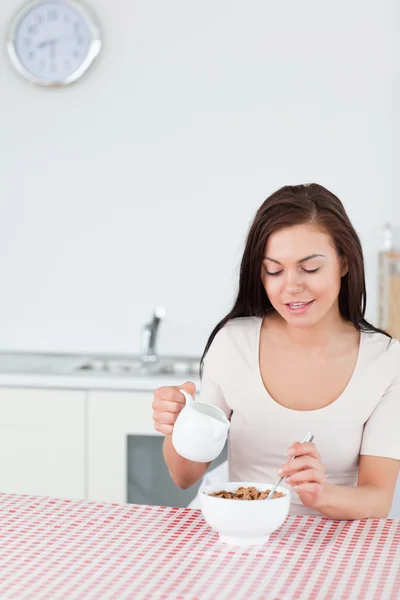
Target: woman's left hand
[[306, 474]]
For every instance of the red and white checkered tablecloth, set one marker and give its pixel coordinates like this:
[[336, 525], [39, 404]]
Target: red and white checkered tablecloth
[[53, 549]]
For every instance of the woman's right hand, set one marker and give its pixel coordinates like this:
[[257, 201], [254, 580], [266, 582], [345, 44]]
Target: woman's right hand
[[167, 404]]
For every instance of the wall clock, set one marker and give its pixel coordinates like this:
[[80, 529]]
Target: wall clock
[[53, 42]]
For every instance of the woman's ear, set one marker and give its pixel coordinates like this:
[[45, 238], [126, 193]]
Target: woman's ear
[[344, 266]]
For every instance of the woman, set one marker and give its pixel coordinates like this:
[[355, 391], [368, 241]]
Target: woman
[[295, 354]]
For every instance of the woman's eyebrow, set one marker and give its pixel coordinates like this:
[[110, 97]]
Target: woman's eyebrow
[[299, 261]]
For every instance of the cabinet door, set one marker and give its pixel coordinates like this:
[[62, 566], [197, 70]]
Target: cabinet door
[[42, 442], [112, 417]]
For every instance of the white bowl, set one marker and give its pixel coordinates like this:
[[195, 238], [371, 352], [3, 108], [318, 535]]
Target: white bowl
[[243, 522]]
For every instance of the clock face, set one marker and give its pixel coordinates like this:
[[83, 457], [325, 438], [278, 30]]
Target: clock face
[[53, 42]]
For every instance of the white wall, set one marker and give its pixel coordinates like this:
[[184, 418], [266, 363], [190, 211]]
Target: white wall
[[136, 186]]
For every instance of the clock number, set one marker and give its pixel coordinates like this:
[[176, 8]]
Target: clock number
[[32, 29], [28, 42], [53, 15], [39, 19], [31, 55]]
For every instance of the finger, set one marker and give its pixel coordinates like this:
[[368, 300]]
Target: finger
[[306, 476], [299, 449], [164, 429], [189, 387], [302, 462], [166, 406], [166, 418], [170, 394], [309, 488]]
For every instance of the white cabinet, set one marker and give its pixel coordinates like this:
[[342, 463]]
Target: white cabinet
[[42, 442], [112, 417]]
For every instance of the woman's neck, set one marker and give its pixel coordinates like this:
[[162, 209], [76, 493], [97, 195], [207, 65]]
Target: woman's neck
[[329, 332]]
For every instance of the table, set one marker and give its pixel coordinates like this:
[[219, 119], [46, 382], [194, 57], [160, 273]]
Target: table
[[52, 549]]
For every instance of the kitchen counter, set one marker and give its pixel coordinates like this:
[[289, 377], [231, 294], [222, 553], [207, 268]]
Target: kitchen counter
[[91, 382], [54, 549], [30, 370]]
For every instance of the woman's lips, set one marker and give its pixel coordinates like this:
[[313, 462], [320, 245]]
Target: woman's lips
[[299, 307]]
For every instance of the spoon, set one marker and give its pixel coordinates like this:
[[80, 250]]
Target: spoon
[[309, 438]]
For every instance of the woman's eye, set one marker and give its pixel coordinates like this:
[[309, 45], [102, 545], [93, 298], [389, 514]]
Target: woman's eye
[[276, 273]]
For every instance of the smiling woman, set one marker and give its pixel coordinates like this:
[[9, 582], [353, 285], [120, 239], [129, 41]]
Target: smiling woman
[[296, 354]]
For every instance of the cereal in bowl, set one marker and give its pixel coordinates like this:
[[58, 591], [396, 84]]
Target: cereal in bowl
[[246, 493]]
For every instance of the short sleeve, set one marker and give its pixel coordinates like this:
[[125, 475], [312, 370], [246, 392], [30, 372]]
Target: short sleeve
[[382, 430], [213, 373]]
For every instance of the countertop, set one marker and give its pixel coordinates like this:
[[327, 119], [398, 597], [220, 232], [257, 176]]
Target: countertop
[[54, 549], [40, 370]]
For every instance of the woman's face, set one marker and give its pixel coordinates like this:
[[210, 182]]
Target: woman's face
[[302, 273]]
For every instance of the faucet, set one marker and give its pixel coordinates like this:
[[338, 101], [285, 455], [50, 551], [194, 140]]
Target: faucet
[[149, 336]]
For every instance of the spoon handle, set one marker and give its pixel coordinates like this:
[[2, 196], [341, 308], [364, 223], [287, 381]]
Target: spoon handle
[[309, 438]]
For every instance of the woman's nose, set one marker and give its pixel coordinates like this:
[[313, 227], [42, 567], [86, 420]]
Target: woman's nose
[[294, 283]]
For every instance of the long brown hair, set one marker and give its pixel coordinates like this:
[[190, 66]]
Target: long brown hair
[[296, 205]]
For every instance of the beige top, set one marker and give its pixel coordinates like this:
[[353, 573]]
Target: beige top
[[364, 419]]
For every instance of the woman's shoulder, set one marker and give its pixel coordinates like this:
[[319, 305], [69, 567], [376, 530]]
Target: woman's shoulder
[[240, 328], [240, 332], [243, 324], [381, 344], [381, 349]]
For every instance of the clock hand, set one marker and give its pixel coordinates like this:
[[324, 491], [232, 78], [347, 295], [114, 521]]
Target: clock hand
[[53, 55], [54, 41], [43, 44]]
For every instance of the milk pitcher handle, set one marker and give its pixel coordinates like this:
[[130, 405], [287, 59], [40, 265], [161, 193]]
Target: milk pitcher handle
[[188, 397]]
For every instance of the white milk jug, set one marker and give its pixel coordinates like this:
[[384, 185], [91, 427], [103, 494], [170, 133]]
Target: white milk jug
[[200, 431]]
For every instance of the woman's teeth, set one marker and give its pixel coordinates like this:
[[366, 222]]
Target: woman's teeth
[[298, 305]]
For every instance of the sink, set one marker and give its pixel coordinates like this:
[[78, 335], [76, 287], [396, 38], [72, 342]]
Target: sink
[[64, 364], [138, 368], [35, 363]]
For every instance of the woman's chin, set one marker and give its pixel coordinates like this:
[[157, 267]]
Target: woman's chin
[[301, 322]]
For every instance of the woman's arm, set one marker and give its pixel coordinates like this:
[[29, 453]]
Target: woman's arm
[[379, 465], [372, 496], [184, 473], [167, 404]]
